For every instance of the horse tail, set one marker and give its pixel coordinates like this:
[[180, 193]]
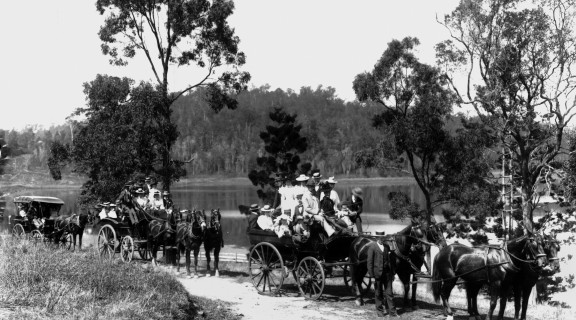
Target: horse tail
[[436, 280]]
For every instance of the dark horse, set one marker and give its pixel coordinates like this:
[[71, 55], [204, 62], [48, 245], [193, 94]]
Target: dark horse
[[401, 245], [480, 265], [74, 225], [523, 281], [160, 232], [213, 240], [189, 236]]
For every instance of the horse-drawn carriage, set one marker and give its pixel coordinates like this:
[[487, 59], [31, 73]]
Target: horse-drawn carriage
[[272, 259], [120, 235], [36, 217]]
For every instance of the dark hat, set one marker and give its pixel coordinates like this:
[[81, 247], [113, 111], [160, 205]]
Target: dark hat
[[316, 174], [288, 211], [379, 233], [357, 192], [310, 183], [254, 207]]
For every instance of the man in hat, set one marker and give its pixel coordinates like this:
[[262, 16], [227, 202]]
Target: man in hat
[[253, 217], [356, 206], [157, 203], [168, 204], [312, 209], [381, 268], [330, 192], [316, 176], [265, 221], [105, 209], [299, 209]]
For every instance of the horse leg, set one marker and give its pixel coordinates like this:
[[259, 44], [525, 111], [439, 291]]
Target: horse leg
[[216, 260], [525, 296], [178, 252], [495, 288], [188, 262], [405, 279], [517, 301], [355, 285], [472, 290], [414, 287], [207, 251], [196, 251], [80, 234], [446, 289]]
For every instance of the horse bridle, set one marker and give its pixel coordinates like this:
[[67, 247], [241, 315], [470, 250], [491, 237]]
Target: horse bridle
[[214, 218]]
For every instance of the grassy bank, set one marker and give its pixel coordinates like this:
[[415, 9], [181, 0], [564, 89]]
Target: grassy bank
[[41, 283]]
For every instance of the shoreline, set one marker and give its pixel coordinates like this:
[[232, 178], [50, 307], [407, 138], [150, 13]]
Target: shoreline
[[215, 180]]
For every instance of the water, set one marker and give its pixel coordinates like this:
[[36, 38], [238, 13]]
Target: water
[[228, 197]]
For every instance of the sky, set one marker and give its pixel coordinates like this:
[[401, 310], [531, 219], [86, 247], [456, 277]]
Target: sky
[[50, 48]]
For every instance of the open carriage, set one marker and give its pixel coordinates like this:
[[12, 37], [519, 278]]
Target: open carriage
[[272, 259], [35, 218]]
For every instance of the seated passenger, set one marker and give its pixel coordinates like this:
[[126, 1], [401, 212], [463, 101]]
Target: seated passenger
[[112, 212], [142, 200], [22, 210], [344, 214], [265, 219], [105, 209], [301, 230], [157, 203], [281, 225], [253, 217]]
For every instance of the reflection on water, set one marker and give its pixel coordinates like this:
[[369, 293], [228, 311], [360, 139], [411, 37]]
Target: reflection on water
[[227, 198]]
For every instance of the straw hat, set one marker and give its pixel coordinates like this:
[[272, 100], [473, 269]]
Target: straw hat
[[357, 192], [302, 177], [254, 207], [331, 180], [266, 209]]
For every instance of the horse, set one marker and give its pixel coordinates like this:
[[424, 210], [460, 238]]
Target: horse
[[74, 225], [523, 281], [159, 232], [213, 240], [189, 237], [401, 245], [410, 268], [479, 265]]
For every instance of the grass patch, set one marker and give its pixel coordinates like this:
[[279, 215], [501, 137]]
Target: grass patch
[[41, 283]]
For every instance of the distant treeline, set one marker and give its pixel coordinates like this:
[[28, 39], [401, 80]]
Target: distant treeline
[[228, 142]]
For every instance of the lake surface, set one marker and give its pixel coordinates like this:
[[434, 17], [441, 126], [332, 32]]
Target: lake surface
[[228, 197]]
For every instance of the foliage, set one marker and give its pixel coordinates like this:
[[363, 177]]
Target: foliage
[[401, 207], [519, 60], [283, 144], [417, 103], [59, 156], [43, 283], [182, 34]]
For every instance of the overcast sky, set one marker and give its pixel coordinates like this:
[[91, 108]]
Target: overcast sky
[[50, 48]]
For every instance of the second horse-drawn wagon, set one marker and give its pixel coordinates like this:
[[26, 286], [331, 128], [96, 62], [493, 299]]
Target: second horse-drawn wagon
[[35, 218], [272, 259]]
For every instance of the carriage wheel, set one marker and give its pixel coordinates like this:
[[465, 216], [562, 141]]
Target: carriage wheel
[[127, 249], [36, 237], [310, 277], [266, 268], [18, 232], [143, 252], [106, 242], [66, 241], [366, 281]]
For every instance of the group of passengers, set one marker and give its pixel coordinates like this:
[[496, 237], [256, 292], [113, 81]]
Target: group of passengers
[[142, 195], [305, 200]]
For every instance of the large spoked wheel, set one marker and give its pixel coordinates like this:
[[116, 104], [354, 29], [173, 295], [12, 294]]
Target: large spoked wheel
[[18, 232], [310, 277], [127, 249], [36, 237], [66, 241], [106, 242], [366, 281], [266, 268]]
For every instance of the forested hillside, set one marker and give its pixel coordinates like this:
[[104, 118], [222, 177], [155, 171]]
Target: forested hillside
[[228, 142]]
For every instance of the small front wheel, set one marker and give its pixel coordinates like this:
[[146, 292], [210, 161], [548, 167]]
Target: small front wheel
[[311, 278], [107, 242], [18, 232]]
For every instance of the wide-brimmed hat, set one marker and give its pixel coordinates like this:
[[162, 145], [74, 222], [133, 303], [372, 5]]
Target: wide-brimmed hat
[[302, 177], [106, 204], [316, 174], [140, 191], [165, 193], [254, 207], [156, 192], [112, 205], [357, 192], [266, 209], [148, 179], [184, 211], [331, 180]]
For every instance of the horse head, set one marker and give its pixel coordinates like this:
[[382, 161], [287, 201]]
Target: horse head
[[198, 221], [533, 250], [551, 248], [214, 219], [435, 234]]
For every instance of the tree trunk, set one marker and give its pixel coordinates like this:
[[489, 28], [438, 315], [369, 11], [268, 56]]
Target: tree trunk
[[527, 208]]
